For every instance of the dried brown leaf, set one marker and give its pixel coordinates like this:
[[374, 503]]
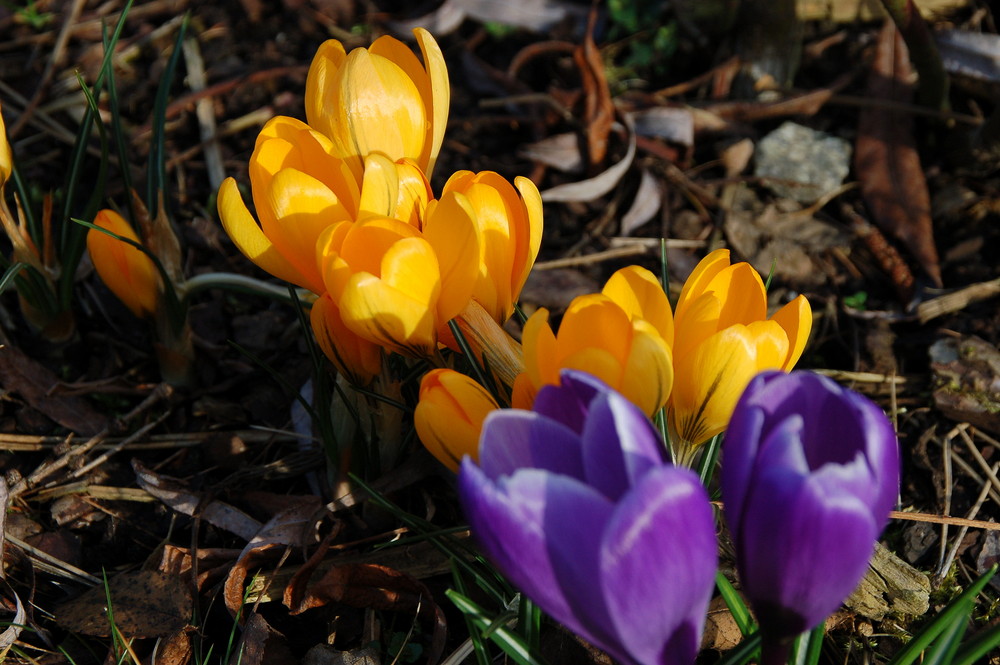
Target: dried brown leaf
[[886, 158], [646, 203], [375, 587], [599, 185], [35, 384], [261, 643], [175, 494], [599, 110], [145, 603]]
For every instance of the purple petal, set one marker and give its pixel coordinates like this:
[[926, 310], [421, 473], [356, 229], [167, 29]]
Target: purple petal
[[802, 549], [739, 452], [530, 526], [513, 439], [569, 401], [619, 445], [658, 560]]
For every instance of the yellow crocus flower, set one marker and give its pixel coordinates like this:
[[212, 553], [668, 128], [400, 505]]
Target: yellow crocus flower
[[723, 338], [380, 99], [449, 416], [596, 336], [510, 224], [128, 272], [397, 285]]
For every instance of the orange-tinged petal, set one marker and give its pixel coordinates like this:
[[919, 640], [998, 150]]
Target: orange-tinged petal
[[533, 207], [354, 356], [380, 188], [414, 194], [303, 207], [437, 109], [539, 345], [523, 393], [649, 369], [6, 156], [449, 416], [703, 273], [770, 342], [393, 310], [366, 242], [450, 228], [741, 292], [594, 320], [334, 269], [638, 292], [700, 320], [795, 318], [598, 362], [127, 271], [248, 237]]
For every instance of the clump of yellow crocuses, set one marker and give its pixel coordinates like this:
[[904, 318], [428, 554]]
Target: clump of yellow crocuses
[[345, 209]]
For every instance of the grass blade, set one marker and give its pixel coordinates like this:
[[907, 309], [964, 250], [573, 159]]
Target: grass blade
[[509, 641]]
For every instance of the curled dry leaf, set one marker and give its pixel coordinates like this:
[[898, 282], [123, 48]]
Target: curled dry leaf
[[647, 201], [261, 643], [599, 110], [599, 185], [175, 494], [665, 122], [886, 159], [14, 625], [560, 151]]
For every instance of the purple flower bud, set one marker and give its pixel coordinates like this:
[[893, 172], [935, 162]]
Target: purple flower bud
[[575, 505], [810, 471]]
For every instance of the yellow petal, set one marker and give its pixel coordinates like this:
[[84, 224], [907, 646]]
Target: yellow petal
[[539, 345], [6, 157], [709, 381], [380, 188], [638, 292], [332, 265], [450, 228], [533, 207], [770, 344], [523, 393], [127, 271], [396, 310], [699, 320], [437, 109], [414, 193], [703, 273], [303, 207], [598, 362], [796, 320], [649, 370], [378, 109], [741, 292], [355, 357], [595, 321], [321, 85], [248, 237], [449, 416]]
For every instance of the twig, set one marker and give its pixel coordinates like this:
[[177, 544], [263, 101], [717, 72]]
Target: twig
[[960, 536], [205, 112], [954, 302]]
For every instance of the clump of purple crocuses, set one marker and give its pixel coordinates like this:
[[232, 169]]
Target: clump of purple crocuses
[[575, 503]]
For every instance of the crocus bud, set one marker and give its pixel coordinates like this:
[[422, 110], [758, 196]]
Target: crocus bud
[[128, 272], [450, 415], [6, 158], [810, 471], [575, 505]]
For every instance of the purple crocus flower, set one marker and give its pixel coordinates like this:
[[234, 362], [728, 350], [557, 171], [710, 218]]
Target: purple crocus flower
[[574, 504], [810, 471]]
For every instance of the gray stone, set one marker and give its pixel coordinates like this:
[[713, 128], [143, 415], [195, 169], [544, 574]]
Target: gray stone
[[802, 164]]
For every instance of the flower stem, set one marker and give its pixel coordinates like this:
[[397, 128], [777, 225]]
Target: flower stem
[[240, 284]]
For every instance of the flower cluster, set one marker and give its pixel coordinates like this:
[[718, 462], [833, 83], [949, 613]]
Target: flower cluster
[[810, 473], [694, 361], [346, 210]]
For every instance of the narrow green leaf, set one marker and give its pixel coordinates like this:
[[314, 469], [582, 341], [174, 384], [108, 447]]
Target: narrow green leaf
[[509, 641], [943, 651], [957, 611], [979, 645], [9, 274], [739, 609], [479, 646], [157, 169]]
